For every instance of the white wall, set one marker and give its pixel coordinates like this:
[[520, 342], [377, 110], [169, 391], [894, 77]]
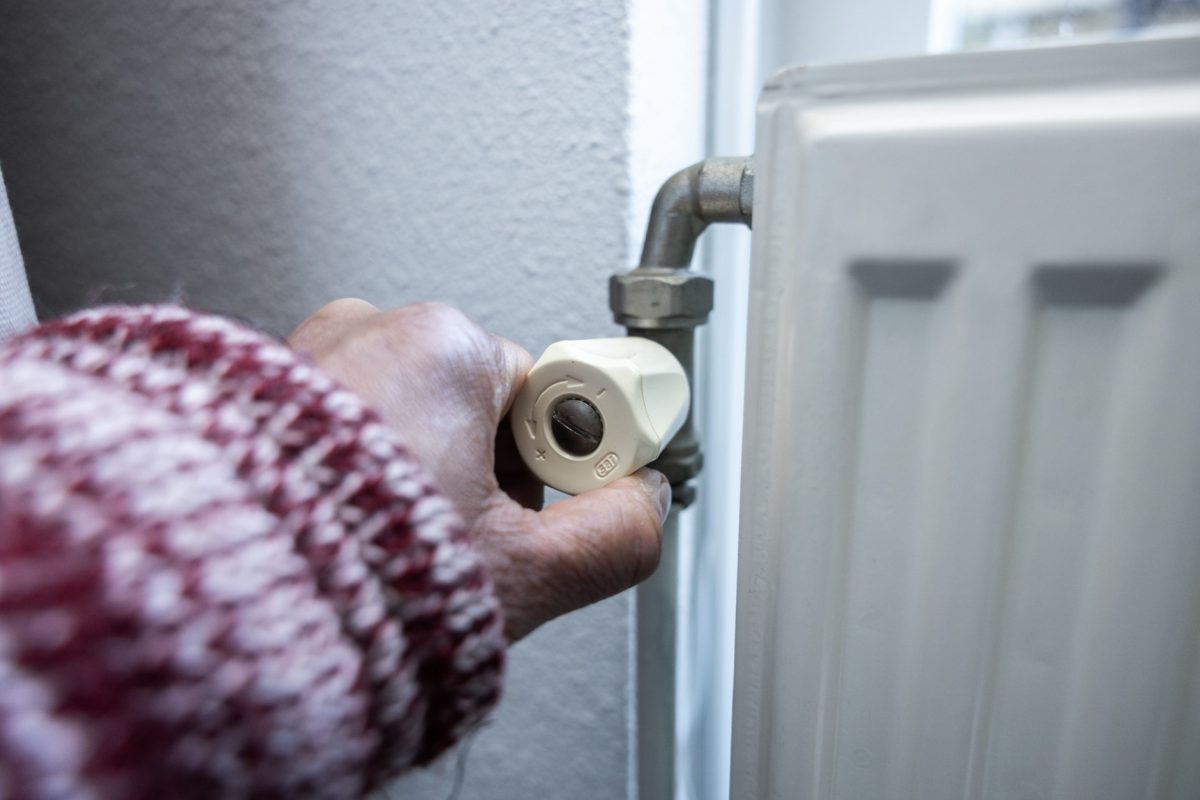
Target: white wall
[[819, 32], [260, 159], [668, 101]]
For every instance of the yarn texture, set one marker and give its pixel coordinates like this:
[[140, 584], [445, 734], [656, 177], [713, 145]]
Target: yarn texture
[[221, 575]]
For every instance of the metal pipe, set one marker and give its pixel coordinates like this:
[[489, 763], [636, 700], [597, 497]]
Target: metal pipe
[[657, 609], [714, 190], [664, 300]]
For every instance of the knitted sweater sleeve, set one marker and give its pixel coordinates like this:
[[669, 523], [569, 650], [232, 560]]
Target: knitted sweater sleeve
[[220, 574]]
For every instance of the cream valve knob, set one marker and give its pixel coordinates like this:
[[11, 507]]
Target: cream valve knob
[[594, 410]]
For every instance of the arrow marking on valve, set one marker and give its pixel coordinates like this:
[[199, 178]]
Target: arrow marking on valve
[[531, 426], [569, 381]]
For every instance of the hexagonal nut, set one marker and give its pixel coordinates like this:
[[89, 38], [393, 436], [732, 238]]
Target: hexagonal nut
[[683, 494], [681, 465], [656, 293]]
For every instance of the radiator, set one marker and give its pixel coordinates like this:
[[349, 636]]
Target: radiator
[[969, 560]]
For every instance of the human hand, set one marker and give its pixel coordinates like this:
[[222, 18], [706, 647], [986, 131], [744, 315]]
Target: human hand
[[445, 385]]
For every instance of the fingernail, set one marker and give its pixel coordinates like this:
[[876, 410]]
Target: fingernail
[[664, 500], [657, 486]]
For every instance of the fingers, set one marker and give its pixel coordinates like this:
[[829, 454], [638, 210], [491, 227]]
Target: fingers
[[513, 364], [575, 552], [514, 477], [604, 541], [437, 331], [449, 343]]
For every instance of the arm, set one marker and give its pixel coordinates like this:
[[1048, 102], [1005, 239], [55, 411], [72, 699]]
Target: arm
[[222, 574]]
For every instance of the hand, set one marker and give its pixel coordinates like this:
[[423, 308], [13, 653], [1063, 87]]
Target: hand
[[445, 385]]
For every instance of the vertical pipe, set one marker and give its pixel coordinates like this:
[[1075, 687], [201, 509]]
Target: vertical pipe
[[657, 606], [664, 301]]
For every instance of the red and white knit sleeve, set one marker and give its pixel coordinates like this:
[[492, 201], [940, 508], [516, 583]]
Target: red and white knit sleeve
[[220, 574]]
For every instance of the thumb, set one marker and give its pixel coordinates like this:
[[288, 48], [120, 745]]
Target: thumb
[[606, 540]]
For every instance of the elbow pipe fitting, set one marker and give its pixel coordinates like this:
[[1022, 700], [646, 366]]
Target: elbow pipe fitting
[[714, 190], [664, 300]]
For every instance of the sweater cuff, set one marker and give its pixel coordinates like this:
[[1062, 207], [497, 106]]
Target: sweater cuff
[[385, 549]]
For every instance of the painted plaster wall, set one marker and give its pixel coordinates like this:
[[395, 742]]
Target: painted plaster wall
[[260, 159]]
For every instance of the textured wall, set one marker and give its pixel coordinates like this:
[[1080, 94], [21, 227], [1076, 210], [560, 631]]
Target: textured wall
[[260, 159]]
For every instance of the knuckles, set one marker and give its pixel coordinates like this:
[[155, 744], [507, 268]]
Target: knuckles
[[433, 333], [346, 307], [442, 331], [329, 322], [432, 315]]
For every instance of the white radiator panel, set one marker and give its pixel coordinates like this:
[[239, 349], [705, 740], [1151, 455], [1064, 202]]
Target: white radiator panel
[[970, 545]]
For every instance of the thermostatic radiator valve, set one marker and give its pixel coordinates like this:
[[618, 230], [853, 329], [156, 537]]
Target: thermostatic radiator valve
[[595, 410]]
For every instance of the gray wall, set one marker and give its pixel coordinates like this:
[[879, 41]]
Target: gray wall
[[260, 159]]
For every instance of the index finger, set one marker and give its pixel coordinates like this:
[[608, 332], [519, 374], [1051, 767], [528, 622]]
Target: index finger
[[513, 363]]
